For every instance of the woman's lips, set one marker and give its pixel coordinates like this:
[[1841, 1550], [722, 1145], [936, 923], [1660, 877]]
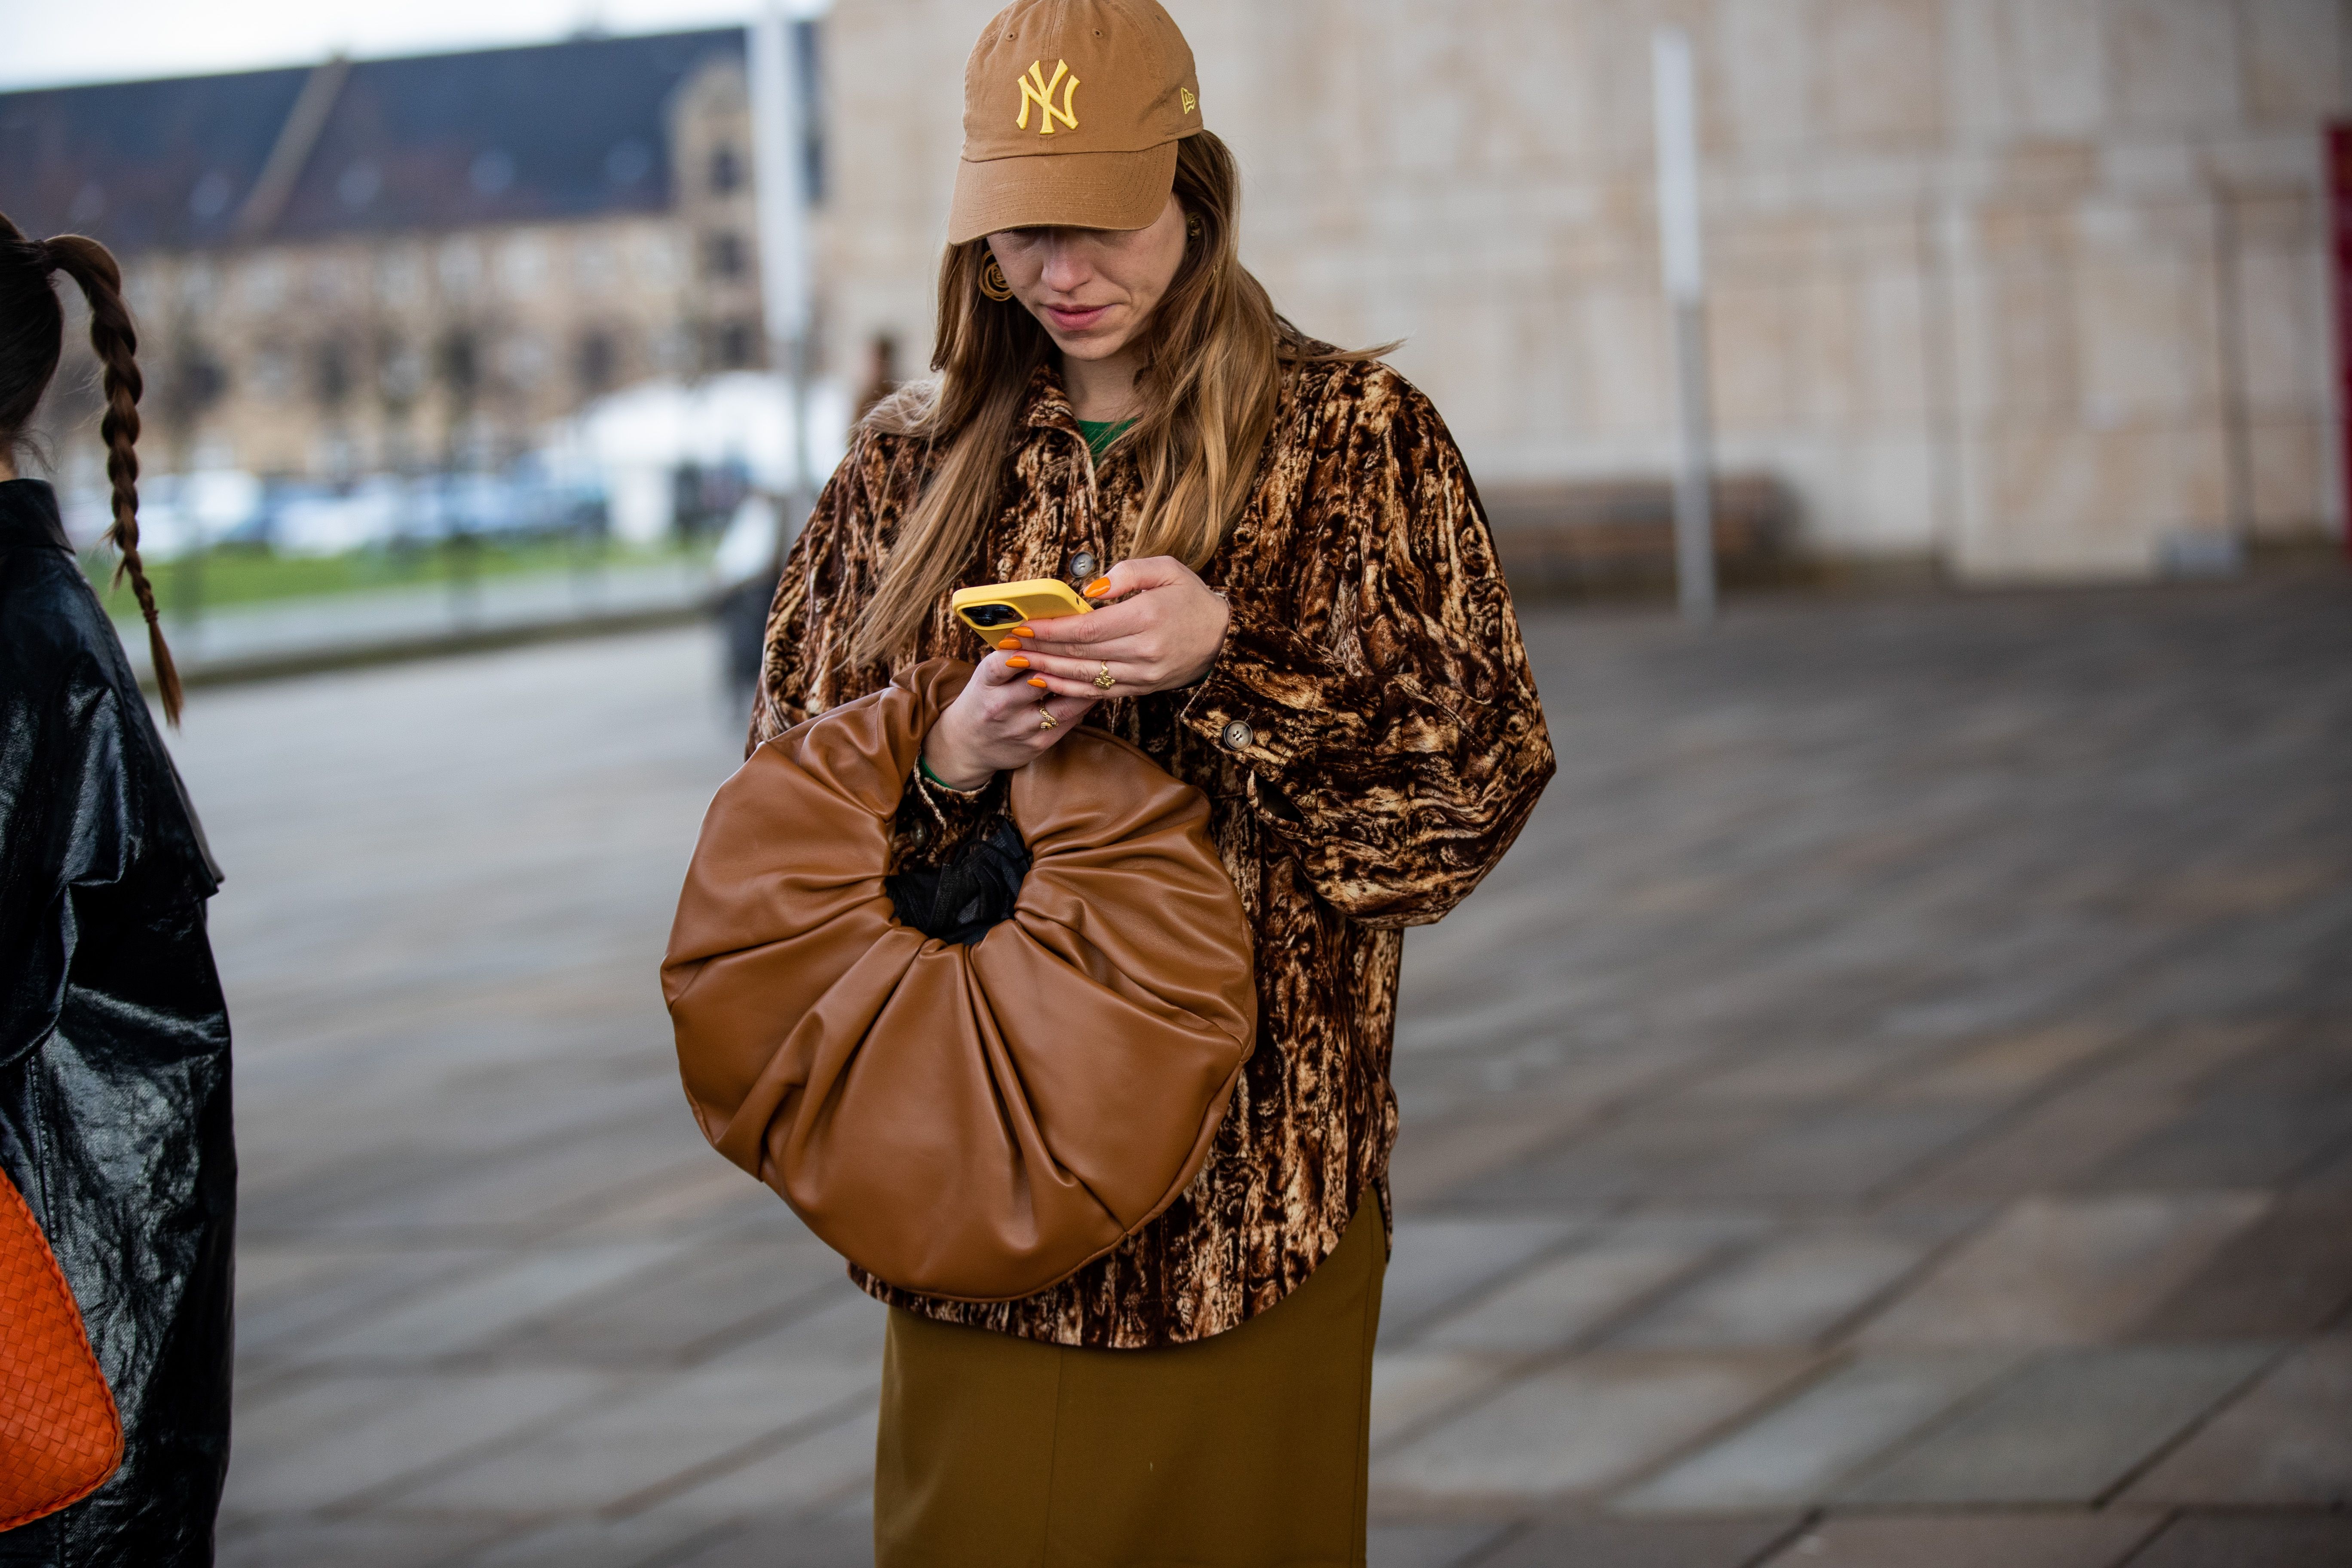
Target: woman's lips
[[1076, 320]]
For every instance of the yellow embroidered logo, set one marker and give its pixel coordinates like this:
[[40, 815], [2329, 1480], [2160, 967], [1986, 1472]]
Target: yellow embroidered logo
[[1190, 102], [1035, 88]]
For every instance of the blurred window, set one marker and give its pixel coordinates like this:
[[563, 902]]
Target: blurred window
[[264, 283], [331, 374], [522, 264], [192, 381], [204, 379], [737, 345], [144, 287], [460, 365], [594, 265], [660, 257], [726, 170], [400, 373], [522, 359], [461, 266], [399, 276], [273, 372], [723, 254], [599, 362], [331, 280]]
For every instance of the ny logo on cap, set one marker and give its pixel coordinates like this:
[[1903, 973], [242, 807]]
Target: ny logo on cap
[[1035, 88]]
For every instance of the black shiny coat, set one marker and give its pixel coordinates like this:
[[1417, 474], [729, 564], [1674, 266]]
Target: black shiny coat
[[114, 1051]]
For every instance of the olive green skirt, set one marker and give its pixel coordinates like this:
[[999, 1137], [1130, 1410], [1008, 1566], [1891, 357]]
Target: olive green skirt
[[1247, 1451]]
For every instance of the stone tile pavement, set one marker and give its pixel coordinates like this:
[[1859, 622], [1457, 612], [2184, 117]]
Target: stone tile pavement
[[1893, 1109]]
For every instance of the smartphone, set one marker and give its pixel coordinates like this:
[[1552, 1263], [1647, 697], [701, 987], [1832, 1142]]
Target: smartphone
[[994, 607]]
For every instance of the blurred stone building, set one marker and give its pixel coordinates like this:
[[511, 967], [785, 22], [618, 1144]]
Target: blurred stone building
[[407, 265], [2024, 287]]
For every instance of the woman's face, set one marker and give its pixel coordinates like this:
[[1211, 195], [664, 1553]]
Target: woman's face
[[1093, 289]]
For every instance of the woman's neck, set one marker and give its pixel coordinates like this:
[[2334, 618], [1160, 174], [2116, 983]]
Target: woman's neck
[[1102, 390]]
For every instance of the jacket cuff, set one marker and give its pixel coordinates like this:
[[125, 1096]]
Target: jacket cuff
[[934, 821]]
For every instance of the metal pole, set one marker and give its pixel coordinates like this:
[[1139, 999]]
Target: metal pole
[[1676, 103], [2237, 424], [780, 164], [2339, 270]]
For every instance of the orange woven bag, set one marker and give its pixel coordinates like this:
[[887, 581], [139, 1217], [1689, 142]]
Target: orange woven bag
[[59, 1434]]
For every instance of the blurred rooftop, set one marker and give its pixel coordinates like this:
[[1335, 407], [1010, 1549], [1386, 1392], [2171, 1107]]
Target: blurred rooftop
[[547, 131], [1894, 1105]]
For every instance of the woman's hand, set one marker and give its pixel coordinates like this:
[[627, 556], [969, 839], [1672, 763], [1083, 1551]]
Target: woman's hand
[[1163, 633], [998, 723]]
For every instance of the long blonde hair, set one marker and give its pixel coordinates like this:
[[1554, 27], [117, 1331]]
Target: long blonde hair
[[1214, 352]]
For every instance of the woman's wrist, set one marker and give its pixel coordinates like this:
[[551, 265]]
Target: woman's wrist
[[941, 765], [924, 766]]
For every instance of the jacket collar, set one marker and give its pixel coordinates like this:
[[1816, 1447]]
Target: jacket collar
[[1048, 406], [28, 517]]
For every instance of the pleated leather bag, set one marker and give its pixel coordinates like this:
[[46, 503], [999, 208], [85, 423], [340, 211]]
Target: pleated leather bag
[[975, 1121], [60, 1437]]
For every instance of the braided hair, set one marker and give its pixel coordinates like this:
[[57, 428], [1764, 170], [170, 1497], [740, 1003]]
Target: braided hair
[[31, 338]]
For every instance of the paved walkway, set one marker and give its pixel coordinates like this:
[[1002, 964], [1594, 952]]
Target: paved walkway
[[1893, 1109]]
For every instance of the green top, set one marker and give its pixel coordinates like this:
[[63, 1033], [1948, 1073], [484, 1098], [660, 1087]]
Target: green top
[[1101, 433]]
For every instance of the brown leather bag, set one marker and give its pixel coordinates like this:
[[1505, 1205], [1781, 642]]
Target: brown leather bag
[[60, 1437], [981, 1121]]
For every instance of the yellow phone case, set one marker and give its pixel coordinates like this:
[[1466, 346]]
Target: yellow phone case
[[994, 609]]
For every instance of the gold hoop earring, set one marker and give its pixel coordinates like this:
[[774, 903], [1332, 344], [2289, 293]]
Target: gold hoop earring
[[992, 283], [1192, 229]]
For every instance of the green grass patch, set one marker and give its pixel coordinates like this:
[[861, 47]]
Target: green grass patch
[[231, 574]]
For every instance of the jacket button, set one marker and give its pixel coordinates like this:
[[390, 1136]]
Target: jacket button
[[1081, 565], [1238, 736]]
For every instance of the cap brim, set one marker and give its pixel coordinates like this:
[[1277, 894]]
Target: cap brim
[[1062, 190]]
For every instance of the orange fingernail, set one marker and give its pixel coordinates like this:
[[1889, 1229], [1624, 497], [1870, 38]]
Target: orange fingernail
[[1035, 680], [1017, 662], [1009, 644], [1098, 588]]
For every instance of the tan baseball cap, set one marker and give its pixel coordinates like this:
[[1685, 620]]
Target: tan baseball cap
[[1072, 111]]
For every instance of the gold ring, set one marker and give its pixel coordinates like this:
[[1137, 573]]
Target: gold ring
[[1106, 680], [1045, 720]]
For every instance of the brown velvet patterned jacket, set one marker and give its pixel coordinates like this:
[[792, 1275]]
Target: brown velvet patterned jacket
[[1370, 741]]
